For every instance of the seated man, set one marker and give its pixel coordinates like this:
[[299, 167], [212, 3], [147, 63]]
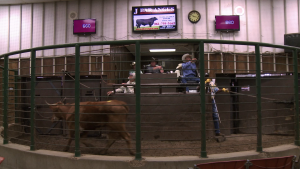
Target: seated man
[[153, 67], [133, 68], [189, 70], [125, 89]]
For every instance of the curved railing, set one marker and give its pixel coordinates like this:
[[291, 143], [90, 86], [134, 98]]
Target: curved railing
[[137, 43]]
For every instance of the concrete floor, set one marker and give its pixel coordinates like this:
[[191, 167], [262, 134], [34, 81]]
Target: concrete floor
[[20, 157]]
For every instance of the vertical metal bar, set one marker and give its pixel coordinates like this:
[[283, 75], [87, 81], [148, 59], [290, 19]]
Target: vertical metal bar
[[222, 62], [287, 62], [8, 34], [20, 38], [247, 32], [296, 102], [115, 19], [285, 17], [207, 25], [202, 95], [181, 18], [16, 97], [274, 62], [194, 25], [234, 63], [77, 95], [5, 100], [248, 64], [138, 155], [32, 100], [258, 99], [208, 63]]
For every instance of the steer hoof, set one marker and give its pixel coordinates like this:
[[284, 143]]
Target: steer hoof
[[66, 149], [131, 153], [220, 138], [89, 145], [103, 152]]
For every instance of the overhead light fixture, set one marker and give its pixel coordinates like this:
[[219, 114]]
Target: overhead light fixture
[[162, 50]]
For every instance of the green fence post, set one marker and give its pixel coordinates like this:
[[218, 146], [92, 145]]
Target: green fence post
[[258, 98], [32, 100], [77, 98], [138, 155], [202, 105], [296, 100], [16, 97], [5, 99]]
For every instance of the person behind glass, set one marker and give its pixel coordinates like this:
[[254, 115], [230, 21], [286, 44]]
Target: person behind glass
[[213, 90], [153, 67], [133, 68], [126, 89], [189, 70]]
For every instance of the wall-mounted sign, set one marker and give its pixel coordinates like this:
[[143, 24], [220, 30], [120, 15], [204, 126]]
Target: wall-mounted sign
[[154, 18]]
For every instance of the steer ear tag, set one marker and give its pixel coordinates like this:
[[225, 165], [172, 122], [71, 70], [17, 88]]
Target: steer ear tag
[[109, 101]]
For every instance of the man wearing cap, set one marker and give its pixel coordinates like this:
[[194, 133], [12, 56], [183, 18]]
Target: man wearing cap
[[153, 67], [189, 69], [126, 89], [133, 68]]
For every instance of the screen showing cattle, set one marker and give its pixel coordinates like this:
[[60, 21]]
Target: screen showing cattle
[[84, 26], [154, 18], [227, 22]]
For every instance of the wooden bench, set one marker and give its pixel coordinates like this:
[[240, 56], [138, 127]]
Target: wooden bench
[[287, 162], [158, 85]]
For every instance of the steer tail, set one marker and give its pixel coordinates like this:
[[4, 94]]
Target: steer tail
[[127, 109]]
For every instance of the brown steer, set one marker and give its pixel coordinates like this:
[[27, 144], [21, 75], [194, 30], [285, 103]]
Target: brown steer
[[111, 114]]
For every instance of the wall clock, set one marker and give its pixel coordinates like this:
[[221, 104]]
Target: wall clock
[[194, 16]]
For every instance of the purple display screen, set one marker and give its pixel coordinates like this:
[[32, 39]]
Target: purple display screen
[[228, 22], [82, 26]]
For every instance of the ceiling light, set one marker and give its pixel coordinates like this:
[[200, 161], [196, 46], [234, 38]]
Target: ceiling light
[[162, 50]]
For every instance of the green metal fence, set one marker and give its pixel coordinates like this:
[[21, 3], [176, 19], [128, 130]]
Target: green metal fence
[[138, 130]]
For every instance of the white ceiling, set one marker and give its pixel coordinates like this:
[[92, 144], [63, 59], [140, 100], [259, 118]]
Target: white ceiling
[[6, 2]]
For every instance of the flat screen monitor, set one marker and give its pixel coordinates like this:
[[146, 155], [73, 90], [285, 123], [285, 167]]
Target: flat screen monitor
[[84, 26], [154, 18], [227, 22]]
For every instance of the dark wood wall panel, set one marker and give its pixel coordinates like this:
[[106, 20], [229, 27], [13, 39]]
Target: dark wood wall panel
[[280, 64], [59, 65], [96, 65], [13, 64], [241, 63], [228, 64], [71, 65], [252, 64], [107, 67], [206, 63], [38, 71], [291, 63], [84, 65], [120, 63], [267, 65], [215, 64], [25, 67], [48, 66]]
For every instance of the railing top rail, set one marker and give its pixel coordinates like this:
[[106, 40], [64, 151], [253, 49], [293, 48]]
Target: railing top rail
[[150, 41]]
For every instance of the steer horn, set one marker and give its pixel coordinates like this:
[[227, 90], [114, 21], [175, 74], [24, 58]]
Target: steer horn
[[50, 104], [64, 100]]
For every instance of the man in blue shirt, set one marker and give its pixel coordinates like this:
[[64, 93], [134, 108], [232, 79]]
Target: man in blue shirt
[[189, 70], [153, 67]]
